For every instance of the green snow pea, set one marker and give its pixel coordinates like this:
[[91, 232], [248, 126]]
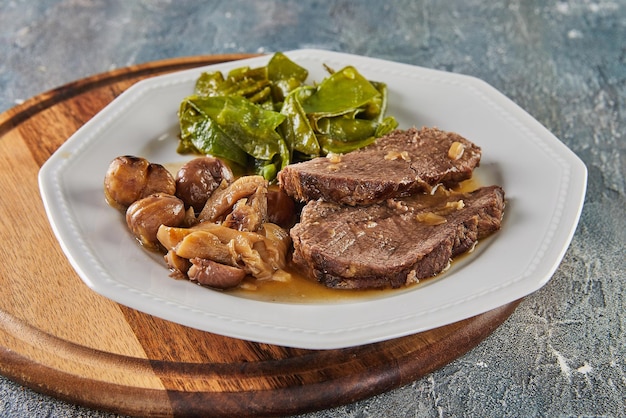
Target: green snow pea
[[201, 134], [341, 134], [343, 92], [285, 76], [265, 118], [296, 129], [230, 127]]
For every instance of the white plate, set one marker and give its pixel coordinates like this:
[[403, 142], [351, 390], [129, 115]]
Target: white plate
[[544, 183]]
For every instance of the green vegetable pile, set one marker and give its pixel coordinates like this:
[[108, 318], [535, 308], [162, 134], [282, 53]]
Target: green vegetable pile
[[261, 119]]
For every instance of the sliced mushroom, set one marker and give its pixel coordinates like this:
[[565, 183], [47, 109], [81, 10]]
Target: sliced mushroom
[[177, 265], [262, 254], [223, 200]]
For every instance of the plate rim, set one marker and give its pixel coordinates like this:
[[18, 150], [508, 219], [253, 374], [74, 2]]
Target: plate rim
[[332, 339]]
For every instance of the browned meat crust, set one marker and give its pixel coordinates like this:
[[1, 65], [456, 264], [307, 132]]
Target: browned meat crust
[[393, 243], [400, 163]]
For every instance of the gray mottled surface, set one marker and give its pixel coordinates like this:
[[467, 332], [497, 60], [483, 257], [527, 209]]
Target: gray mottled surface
[[562, 352]]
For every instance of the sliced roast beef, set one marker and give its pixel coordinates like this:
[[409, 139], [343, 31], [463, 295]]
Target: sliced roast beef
[[393, 243], [400, 163]]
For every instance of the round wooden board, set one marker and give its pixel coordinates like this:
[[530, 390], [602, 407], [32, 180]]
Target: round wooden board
[[60, 338]]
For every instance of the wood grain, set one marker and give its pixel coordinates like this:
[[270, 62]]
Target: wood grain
[[60, 338]]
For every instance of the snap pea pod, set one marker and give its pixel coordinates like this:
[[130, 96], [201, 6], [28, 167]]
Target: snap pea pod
[[262, 119], [233, 128], [345, 135], [285, 76], [341, 93], [200, 134], [243, 82], [296, 129]]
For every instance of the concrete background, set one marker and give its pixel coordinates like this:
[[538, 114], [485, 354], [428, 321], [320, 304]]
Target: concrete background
[[562, 352]]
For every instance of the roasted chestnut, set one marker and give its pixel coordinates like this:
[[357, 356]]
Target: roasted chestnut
[[131, 178], [145, 216], [210, 273], [198, 178]]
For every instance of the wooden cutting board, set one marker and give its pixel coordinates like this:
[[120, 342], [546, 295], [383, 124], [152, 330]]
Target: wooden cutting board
[[59, 337]]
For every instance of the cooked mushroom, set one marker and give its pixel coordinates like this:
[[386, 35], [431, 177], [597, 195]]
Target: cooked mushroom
[[251, 189], [261, 254], [177, 265]]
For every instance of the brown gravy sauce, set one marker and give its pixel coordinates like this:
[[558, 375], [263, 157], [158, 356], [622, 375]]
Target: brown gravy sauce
[[300, 289]]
